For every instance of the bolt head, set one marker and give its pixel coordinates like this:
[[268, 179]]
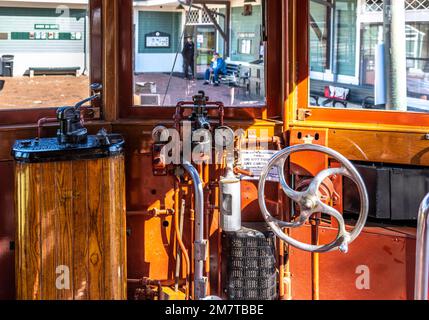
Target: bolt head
[[308, 204]]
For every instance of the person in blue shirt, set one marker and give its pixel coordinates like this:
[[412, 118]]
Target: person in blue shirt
[[217, 67]]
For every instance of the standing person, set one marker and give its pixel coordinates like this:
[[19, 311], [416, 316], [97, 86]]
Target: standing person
[[217, 67], [188, 54]]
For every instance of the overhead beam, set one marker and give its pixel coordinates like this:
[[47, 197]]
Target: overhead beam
[[213, 20]]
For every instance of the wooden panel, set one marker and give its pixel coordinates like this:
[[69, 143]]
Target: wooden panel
[[275, 88], [48, 208], [63, 233], [386, 147], [7, 231], [71, 220], [114, 231], [110, 59], [81, 227], [28, 182], [95, 211]]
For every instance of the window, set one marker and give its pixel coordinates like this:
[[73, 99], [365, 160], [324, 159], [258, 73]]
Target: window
[[44, 53], [320, 35], [369, 55], [182, 47]]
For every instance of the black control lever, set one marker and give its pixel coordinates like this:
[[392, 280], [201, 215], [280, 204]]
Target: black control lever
[[200, 113], [71, 129]]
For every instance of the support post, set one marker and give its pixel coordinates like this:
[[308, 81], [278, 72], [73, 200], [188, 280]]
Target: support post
[[395, 55]]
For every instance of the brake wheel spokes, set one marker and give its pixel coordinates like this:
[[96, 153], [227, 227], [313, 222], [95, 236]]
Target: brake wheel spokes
[[309, 201]]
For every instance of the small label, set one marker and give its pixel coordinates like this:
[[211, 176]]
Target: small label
[[255, 161]]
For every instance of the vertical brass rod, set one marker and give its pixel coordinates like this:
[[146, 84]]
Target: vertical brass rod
[[315, 260]]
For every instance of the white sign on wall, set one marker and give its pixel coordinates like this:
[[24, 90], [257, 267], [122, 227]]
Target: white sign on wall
[[157, 40]]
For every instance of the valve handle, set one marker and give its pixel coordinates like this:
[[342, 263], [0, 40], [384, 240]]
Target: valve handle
[[309, 201]]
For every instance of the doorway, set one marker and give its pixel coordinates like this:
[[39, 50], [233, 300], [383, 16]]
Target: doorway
[[205, 44]]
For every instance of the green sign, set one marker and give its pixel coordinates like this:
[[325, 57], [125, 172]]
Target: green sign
[[42, 26]]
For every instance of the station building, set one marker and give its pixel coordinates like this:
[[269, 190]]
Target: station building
[[45, 34], [344, 35]]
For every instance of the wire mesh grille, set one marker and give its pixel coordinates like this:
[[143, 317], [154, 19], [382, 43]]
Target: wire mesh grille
[[251, 265]]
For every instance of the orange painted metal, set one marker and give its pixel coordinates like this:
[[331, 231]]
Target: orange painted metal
[[308, 163], [386, 256]]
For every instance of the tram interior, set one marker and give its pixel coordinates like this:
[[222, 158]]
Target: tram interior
[[219, 150]]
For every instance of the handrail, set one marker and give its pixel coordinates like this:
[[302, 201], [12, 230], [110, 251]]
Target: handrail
[[421, 285], [200, 242]]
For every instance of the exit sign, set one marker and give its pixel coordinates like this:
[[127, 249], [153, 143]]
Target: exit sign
[[42, 26]]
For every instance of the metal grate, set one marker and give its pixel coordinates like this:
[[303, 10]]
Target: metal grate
[[410, 5], [251, 265]]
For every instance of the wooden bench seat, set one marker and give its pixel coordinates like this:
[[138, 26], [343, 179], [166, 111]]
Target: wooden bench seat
[[236, 76], [54, 71]]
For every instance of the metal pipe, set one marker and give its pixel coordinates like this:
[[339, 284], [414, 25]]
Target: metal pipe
[[42, 122], [200, 244], [206, 179], [422, 253], [178, 228], [179, 250], [149, 282], [315, 258]]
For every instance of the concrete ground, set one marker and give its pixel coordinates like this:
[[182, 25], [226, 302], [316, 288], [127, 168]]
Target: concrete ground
[[56, 91], [43, 91], [182, 89]]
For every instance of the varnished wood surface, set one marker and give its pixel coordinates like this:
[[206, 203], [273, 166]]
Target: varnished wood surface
[[71, 214], [384, 147]]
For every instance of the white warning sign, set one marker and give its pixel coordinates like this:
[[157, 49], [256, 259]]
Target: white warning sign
[[255, 161]]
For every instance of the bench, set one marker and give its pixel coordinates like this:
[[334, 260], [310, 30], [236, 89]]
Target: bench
[[236, 76], [361, 95], [44, 71]]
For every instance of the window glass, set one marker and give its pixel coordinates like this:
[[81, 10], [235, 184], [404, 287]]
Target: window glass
[[369, 54], [44, 53], [182, 47], [319, 36]]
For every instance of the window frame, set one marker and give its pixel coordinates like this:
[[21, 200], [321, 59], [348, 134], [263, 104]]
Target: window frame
[[24, 115], [306, 115], [273, 73]]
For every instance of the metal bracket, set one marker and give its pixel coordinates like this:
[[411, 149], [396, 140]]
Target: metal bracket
[[200, 248], [303, 114], [200, 288]]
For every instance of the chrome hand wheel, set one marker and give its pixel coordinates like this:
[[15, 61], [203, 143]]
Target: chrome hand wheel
[[309, 201]]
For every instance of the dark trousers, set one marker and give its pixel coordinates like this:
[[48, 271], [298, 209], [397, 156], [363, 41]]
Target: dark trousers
[[216, 73], [188, 64]]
